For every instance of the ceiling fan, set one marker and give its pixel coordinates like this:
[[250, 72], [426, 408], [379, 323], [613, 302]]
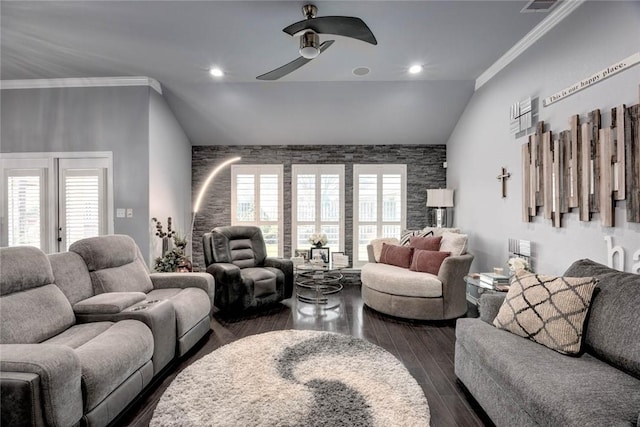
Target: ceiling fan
[[308, 30]]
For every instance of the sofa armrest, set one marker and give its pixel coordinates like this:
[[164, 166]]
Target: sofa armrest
[[370, 255], [59, 372], [204, 281], [286, 266], [489, 305], [20, 402], [108, 303], [454, 288], [229, 283]]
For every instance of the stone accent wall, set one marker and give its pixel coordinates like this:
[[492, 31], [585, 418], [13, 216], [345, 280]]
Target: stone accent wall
[[424, 170]]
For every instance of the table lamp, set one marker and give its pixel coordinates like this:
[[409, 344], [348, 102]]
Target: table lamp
[[441, 199]]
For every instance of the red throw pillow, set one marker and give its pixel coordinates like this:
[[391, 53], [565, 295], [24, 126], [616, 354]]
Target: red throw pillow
[[426, 243], [399, 256], [428, 261]]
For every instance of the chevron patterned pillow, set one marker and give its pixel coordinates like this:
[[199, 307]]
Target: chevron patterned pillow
[[548, 310]]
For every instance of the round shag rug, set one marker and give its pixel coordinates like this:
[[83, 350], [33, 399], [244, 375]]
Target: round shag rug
[[294, 378]]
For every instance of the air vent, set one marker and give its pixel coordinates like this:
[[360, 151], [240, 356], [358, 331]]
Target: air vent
[[539, 6]]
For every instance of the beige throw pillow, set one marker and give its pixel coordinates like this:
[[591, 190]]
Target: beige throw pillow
[[455, 243], [548, 310], [376, 244]]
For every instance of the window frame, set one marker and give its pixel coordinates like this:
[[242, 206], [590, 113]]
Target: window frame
[[318, 171], [379, 170], [257, 170]]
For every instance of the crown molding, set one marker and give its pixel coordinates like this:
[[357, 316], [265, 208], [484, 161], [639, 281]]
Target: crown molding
[[554, 18], [82, 82]]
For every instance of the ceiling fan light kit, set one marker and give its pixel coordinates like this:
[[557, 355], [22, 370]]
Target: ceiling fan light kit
[[309, 30], [309, 45]]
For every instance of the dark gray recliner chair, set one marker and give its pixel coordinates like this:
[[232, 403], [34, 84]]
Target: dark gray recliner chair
[[245, 277]]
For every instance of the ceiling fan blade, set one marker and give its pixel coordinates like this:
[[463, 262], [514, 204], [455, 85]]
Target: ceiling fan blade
[[346, 26], [293, 65]]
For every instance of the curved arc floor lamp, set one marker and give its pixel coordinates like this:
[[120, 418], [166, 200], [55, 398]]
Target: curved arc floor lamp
[[204, 188]]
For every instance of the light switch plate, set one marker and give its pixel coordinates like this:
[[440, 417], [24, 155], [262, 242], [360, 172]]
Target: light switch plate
[[129, 213], [120, 213]]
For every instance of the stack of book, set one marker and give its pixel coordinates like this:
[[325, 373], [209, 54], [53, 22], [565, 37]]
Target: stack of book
[[491, 280]]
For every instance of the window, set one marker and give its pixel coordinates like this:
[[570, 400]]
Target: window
[[256, 199], [318, 204], [379, 205], [50, 200]]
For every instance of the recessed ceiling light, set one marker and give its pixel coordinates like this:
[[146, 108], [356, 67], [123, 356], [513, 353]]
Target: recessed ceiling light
[[216, 72], [415, 69], [361, 71]]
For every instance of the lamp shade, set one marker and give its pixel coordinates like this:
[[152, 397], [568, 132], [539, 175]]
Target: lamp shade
[[440, 198]]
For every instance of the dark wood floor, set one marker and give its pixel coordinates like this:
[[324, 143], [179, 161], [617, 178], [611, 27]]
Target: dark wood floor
[[425, 348]]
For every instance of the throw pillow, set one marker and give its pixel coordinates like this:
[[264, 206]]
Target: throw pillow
[[376, 244], [426, 243], [548, 310], [407, 234], [427, 261], [438, 231], [455, 243], [399, 256]]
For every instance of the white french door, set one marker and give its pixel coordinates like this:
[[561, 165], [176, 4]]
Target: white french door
[[50, 200]]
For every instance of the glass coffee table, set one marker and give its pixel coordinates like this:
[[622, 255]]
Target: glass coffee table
[[319, 284]]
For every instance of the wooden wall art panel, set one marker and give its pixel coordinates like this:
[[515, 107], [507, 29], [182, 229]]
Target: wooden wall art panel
[[587, 167], [632, 154]]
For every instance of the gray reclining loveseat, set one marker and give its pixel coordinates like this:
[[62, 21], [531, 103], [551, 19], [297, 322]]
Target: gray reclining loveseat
[[69, 354]]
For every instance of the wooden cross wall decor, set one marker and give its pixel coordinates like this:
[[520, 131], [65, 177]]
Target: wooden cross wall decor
[[504, 175]]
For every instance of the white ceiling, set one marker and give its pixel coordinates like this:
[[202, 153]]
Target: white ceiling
[[175, 42]]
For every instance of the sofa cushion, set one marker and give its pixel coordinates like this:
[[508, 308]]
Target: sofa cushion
[[71, 276], [406, 235], [34, 315], [131, 277], [428, 261], [79, 334], [439, 231], [106, 251], [376, 244], [111, 357], [400, 281], [546, 309], [399, 256], [455, 243], [191, 305], [554, 389], [430, 243], [264, 280], [613, 319], [22, 268]]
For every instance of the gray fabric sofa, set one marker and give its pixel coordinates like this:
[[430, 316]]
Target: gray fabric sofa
[[70, 355], [519, 382]]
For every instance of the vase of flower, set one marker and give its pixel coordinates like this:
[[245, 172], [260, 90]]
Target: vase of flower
[[318, 239]]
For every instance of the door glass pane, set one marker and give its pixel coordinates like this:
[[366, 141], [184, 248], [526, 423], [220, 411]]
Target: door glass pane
[[270, 235], [81, 204], [269, 197], [367, 203], [391, 197], [245, 191], [330, 197], [23, 210], [366, 233], [306, 192]]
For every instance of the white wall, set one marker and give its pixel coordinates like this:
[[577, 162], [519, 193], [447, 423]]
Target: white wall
[[169, 172], [593, 37]]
